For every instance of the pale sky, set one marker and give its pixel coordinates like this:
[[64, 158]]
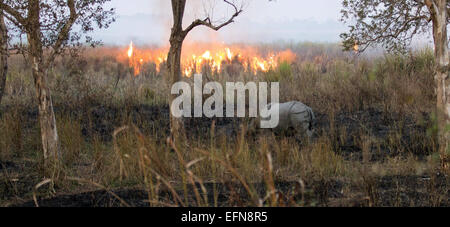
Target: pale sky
[[255, 9], [148, 21]]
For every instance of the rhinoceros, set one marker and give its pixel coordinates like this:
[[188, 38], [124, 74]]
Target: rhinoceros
[[293, 116]]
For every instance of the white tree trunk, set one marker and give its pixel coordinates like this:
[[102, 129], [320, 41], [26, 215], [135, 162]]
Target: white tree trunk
[[49, 132], [438, 9]]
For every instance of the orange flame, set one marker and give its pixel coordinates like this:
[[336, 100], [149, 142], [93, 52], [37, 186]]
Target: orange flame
[[195, 58], [130, 50], [356, 47]]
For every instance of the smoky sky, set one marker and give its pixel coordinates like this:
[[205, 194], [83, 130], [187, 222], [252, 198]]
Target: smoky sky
[[148, 21]]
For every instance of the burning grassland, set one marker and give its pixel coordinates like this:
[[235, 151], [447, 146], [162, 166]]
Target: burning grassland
[[374, 145], [196, 57]]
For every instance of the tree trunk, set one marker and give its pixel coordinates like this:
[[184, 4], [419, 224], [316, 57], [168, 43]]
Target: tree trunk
[[49, 132], [177, 37], [439, 18], [174, 61], [3, 55], [174, 66]]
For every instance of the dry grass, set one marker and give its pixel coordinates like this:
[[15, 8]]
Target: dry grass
[[113, 132]]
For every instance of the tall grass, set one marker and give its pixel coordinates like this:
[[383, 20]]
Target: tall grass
[[113, 130]]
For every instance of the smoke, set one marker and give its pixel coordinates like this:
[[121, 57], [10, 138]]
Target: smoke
[[148, 22], [157, 22]]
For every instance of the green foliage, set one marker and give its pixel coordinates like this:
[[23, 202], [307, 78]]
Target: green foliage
[[147, 94], [423, 60], [433, 130], [283, 72], [372, 75]]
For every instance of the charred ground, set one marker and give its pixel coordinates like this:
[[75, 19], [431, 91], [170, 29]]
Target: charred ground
[[374, 146]]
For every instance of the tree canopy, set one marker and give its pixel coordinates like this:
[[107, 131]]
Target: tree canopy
[[62, 23], [391, 23]]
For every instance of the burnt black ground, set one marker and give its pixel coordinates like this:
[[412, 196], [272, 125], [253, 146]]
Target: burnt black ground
[[379, 126], [387, 191], [403, 191]]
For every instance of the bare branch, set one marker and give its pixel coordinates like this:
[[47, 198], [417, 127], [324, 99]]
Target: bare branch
[[207, 21], [16, 18], [64, 33], [392, 24]]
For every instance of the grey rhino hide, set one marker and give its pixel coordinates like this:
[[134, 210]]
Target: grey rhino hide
[[295, 115]]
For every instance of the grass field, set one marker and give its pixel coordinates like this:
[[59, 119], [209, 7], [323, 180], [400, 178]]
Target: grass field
[[375, 142]]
